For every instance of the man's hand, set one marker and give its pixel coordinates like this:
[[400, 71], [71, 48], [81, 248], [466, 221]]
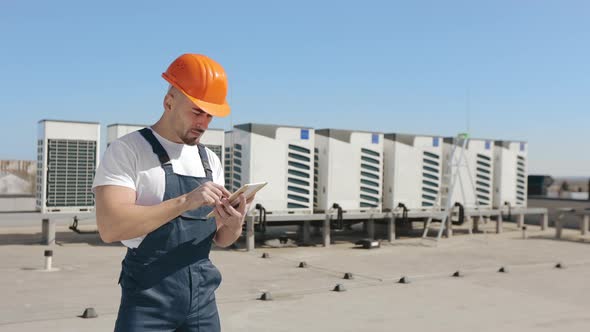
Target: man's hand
[[232, 217], [209, 193]]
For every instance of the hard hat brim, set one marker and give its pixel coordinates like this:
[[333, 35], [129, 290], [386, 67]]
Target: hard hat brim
[[219, 110]]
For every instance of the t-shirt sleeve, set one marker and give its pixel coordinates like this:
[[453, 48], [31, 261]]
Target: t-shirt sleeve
[[117, 167], [216, 168]]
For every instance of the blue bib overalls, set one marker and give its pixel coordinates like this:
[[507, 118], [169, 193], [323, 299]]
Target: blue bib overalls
[[168, 282]]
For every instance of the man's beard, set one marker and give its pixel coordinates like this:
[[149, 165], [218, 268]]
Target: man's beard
[[188, 138]]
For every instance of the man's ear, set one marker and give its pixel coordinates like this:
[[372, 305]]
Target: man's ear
[[168, 102]]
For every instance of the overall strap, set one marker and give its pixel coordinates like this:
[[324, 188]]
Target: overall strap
[[156, 146], [205, 161]]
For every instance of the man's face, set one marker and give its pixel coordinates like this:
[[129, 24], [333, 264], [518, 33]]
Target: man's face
[[190, 122]]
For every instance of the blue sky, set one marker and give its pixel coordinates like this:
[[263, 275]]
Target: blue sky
[[514, 70]]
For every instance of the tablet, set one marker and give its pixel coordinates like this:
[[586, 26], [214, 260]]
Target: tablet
[[248, 189]]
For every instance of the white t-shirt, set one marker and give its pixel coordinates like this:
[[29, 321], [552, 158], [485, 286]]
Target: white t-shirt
[[130, 162]]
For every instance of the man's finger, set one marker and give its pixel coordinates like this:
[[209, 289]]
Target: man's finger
[[216, 214], [224, 191], [242, 206], [216, 191], [219, 209], [210, 198], [230, 209], [214, 187]]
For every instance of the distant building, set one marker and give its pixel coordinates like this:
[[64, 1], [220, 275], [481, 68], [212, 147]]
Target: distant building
[[11, 184], [17, 185], [17, 177]]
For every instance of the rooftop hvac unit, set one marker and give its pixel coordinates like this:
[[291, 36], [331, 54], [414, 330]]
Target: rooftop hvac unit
[[510, 174], [474, 183], [537, 185], [213, 138], [67, 154], [348, 170], [280, 155], [117, 130], [412, 171]]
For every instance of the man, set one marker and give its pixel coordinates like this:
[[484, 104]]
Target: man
[[154, 189]]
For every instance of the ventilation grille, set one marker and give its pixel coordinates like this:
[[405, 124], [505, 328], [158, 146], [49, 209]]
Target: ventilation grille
[[299, 177], [316, 170], [236, 168], [228, 163], [217, 150], [370, 193], [483, 181], [430, 178], [70, 171], [39, 180], [520, 180]]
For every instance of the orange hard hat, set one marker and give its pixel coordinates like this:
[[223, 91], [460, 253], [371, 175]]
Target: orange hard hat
[[202, 80]]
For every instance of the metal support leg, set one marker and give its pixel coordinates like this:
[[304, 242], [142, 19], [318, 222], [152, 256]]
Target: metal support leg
[[584, 224], [427, 223], [47, 232], [391, 228], [449, 226], [558, 226], [370, 228], [520, 221], [476, 221], [326, 230], [249, 234], [544, 221], [306, 231]]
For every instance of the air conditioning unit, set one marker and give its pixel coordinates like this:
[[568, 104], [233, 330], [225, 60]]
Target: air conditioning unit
[[280, 155], [510, 173], [228, 163], [474, 184], [214, 139], [117, 130], [348, 170], [412, 171], [67, 154]]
